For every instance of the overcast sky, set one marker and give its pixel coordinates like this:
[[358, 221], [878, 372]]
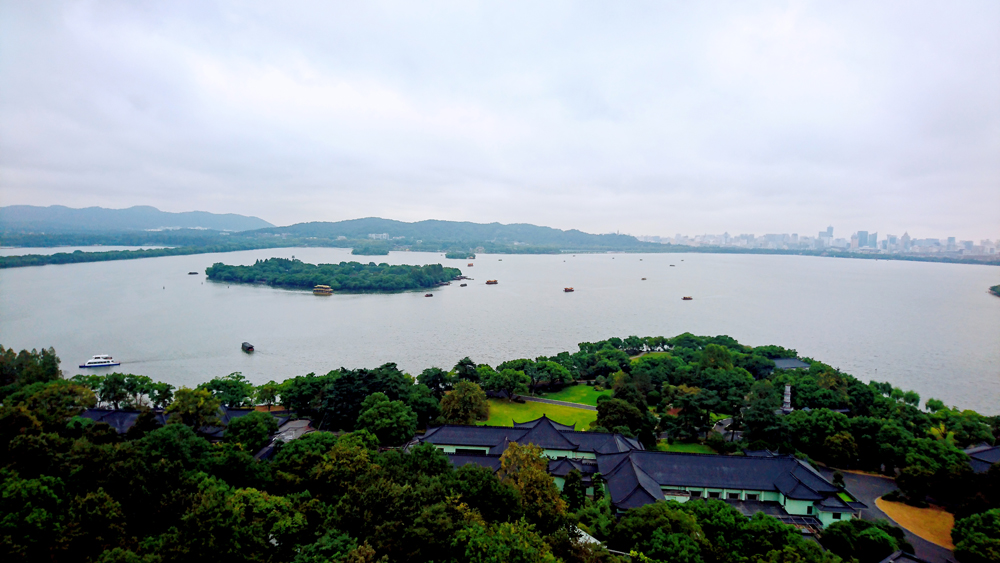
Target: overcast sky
[[640, 117]]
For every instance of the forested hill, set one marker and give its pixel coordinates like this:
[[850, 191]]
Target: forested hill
[[57, 218], [465, 233], [346, 276]]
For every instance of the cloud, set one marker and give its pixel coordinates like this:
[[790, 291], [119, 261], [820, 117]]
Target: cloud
[[649, 118]]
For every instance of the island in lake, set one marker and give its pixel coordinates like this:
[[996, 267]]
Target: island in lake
[[343, 277]]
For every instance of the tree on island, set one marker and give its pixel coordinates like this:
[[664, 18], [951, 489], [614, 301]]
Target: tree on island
[[392, 422], [252, 430], [465, 404], [196, 408]]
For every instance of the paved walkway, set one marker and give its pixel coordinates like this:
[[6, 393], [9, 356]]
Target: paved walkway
[[563, 403], [868, 488]]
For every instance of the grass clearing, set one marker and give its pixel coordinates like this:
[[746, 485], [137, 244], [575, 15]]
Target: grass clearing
[[504, 413], [932, 524], [678, 447], [583, 394], [649, 355]]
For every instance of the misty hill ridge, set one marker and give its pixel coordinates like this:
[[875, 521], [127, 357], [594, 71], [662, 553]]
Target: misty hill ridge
[[58, 218], [460, 232]]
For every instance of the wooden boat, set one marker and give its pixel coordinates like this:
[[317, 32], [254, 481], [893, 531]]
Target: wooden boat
[[247, 347], [470, 264], [643, 279], [568, 289], [463, 285], [686, 298], [192, 273], [322, 290], [428, 295], [491, 282], [671, 265]]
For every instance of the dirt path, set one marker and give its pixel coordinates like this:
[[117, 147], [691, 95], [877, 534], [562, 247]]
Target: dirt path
[[563, 403]]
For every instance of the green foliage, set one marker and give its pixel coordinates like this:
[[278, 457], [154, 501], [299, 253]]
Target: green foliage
[[252, 430], [437, 380], [614, 413], [465, 405], [868, 542], [204, 246], [18, 370], [196, 408], [525, 469], [977, 537], [371, 248], [573, 491], [392, 422], [346, 276], [508, 380], [506, 542], [233, 390]]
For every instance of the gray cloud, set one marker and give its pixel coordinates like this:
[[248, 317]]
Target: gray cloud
[[651, 118]]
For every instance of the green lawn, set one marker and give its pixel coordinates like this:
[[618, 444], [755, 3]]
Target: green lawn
[[583, 394], [650, 355], [503, 413], [678, 447]]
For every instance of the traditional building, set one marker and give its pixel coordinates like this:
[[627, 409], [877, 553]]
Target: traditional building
[[780, 485]]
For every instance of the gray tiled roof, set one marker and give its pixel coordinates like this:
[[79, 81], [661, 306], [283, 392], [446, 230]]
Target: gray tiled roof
[[646, 470], [533, 423], [981, 458], [543, 432]]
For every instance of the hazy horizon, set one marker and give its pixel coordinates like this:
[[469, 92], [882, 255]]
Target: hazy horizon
[[646, 119]]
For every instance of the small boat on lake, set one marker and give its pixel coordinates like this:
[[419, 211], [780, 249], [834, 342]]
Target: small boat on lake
[[247, 347], [100, 361], [491, 282], [686, 298], [568, 289], [428, 295], [470, 264], [192, 273], [463, 285], [643, 279], [322, 290]]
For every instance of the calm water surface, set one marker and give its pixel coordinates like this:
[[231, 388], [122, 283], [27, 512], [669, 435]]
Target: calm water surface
[[923, 326]]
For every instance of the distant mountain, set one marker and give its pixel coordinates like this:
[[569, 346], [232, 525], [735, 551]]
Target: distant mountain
[[57, 218], [461, 233]]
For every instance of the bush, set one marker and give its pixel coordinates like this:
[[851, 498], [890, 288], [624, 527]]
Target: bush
[[977, 538]]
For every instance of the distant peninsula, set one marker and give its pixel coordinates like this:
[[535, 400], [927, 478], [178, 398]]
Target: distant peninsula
[[995, 290], [348, 277]]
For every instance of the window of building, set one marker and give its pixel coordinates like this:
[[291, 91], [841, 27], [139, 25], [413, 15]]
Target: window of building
[[733, 496], [751, 496], [467, 451], [696, 494], [714, 495], [809, 509], [836, 516]]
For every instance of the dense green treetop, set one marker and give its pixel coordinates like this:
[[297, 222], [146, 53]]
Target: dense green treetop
[[346, 276]]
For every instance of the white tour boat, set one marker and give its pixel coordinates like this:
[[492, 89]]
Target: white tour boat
[[100, 361]]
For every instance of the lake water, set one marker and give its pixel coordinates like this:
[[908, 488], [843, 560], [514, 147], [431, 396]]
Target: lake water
[[923, 326]]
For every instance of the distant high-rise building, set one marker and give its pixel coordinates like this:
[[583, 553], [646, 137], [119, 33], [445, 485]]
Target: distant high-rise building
[[829, 231], [862, 239], [873, 240], [905, 240]]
